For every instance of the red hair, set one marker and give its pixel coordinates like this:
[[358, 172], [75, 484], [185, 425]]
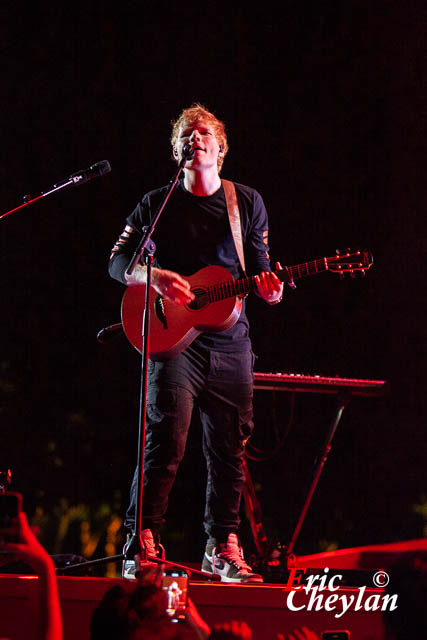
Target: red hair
[[198, 112]]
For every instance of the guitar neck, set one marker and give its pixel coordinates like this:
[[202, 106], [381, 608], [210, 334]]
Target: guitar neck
[[243, 286], [305, 269]]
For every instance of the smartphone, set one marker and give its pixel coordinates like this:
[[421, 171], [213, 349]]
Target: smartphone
[[336, 635], [10, 507], [175, 584]]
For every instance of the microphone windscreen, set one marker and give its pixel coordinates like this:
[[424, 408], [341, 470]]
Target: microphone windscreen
[[100, 168], [187, 151]]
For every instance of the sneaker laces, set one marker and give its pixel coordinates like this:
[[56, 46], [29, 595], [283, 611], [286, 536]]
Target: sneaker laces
[[152, 548], [232, 552], [148, 541]]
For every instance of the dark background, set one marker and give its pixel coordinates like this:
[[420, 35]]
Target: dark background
[[324, 105]]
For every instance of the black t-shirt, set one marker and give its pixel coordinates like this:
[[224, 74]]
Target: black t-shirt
[[194, 232]]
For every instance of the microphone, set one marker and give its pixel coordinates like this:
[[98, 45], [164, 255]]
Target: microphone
[[187, 151], [80, 177], [95, 171]]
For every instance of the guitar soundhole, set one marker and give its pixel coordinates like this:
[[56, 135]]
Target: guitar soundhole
[[201, 299]]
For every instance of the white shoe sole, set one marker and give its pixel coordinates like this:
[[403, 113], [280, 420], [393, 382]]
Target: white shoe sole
[[234, 580]]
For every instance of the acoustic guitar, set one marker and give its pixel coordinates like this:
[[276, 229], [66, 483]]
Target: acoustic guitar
[[217, 304]]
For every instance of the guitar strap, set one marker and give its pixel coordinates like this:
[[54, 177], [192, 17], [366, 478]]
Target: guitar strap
[[234, 217]]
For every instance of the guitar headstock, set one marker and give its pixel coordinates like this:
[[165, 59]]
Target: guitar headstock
[[350, 262]]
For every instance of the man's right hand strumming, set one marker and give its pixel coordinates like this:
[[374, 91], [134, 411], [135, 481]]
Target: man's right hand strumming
[[169, 284]]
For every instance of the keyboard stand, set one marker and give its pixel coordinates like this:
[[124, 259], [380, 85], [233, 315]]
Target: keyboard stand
[[286, 382], [342, 401]]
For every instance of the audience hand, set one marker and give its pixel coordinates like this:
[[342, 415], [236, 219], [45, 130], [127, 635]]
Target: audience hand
[[195, 621], [31, 551], [234, 630], [301, 633]]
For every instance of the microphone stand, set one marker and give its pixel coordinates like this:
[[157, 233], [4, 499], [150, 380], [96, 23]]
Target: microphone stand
[[145, 251], [135, 549], [78, 178]]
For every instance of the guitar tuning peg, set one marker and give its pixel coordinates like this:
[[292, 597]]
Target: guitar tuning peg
[[352, 274], [363, 273], [341, 274], [337, 252]]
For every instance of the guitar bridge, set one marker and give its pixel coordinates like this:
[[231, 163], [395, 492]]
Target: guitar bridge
[[159, 308]]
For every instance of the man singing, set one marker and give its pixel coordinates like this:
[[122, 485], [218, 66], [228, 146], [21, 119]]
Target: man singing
[[214, 373]]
